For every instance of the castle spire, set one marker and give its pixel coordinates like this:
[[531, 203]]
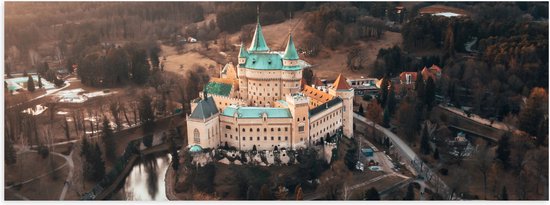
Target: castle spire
[[290, 51], [258, 41], [242, 52]]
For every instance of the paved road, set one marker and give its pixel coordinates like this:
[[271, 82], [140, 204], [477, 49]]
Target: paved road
[[69, 179], [412, 160]]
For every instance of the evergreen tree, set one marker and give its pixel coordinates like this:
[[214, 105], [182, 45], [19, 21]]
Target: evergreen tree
[[425, 143], [429, 97], [361, 111], [542, 132], [39, 81], [436, 154], [410, 193], [384, 91], [108, 140], [85, 149], [175, 156], [25, 74], [419, 86], [503, 150], [386, 118], [504, 194], [391, 101], [30, 84], [147, 117], [98, 164], [372, 194], [351, 159], [10, 156]]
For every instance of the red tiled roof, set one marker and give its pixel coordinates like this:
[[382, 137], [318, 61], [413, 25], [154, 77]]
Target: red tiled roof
[[341, 83]]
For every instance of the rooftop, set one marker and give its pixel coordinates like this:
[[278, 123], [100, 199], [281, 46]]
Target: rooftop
[[219, 88], [256, 112], [205, 109], [341, 83]]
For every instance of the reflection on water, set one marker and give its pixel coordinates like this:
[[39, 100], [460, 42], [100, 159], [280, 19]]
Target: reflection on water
[[146, 180]]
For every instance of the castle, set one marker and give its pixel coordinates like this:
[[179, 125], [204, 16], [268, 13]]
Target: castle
[[264, 103]]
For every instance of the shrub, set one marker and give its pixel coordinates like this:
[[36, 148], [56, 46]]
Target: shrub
[[43, 151]]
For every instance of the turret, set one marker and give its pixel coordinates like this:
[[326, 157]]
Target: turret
[[243, 54], [258, 42], [290, 58], [298, 106], [342, 89]]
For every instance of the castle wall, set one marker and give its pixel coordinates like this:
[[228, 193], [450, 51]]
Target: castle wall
[[244, 133], [208, 131], [222, 102], [327, 121]]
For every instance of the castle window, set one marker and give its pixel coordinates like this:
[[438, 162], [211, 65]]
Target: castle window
[[265, 129], [301, 128], [250, 138], [231, 136], [196, 136], [244, 130], [279, 129], [279, 138], [286, 129], [301, 139], [275, 84], [268, 84], [250, 129], [298, 119], [272, 138], [265, 138], [258, 130], [225, 135], [272, 130], [228, 127], [275, 94], [258, 138], [286, 138], [244, 138], [304, 118]]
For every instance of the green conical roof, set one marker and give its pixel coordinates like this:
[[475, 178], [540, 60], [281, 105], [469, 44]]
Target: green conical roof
[[258, 41], [242, 52], [290, 52]]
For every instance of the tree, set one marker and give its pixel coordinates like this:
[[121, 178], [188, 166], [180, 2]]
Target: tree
[[420, 86], [265, 193], [390, 100], [533, 112], [175, 156], [67, 130], [436, 154], [374, 113], [384, 91], [503, 150], [425, 142], [351, 158], [410, 192], [10, 156], [298, 192], [361, 111], [483, 163], [386, 118], [356, 58], [30, 84], [99, 164], [146, 114], [504, 194], [372, 194], [39, 81], [108, 140], [429, 93]]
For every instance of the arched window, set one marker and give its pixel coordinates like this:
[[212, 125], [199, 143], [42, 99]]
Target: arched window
[[196, 136]]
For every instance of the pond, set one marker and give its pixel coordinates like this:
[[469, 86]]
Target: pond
[[145, 182]]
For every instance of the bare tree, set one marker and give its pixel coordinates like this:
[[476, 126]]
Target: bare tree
[[115, 109], [483, 163]]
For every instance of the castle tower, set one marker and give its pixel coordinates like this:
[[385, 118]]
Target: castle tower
[[298, 106], [290, 58], [258, 41], [342, 89], [241, 73]]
